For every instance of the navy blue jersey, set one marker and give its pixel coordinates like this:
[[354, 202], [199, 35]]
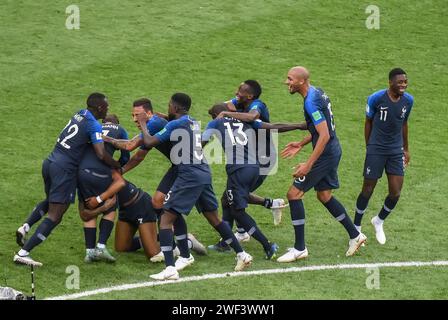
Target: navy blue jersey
[[388, 118], [238, 139], [127, 193], [154, 125], [185, 136], [317, 108], [263, 149], [81, 130], [91, 161]]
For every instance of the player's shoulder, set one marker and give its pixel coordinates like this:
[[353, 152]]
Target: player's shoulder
[[213, 124], [376, 96], [257, 104], [159, 120], [86, 114], [409, 98], [313, 97]]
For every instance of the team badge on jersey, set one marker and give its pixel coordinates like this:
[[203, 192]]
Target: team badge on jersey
[[403, 112]]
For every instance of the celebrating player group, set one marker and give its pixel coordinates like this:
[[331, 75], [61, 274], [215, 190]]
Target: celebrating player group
[[82, 161]]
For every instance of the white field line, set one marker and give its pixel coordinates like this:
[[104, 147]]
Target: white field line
[[125, 287]]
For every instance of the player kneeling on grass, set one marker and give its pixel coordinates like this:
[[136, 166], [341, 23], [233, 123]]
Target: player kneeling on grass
[[135, 213]]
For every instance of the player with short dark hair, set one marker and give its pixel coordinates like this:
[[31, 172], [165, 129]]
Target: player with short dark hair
[[386, 136], [238, 139], [154, 123], [247, 107], [320, 170], [59, 172], [193, 186], [135, 213]]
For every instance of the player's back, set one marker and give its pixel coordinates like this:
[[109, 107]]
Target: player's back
[[317, 108], [185, 136], [90, 160], [388, 118], [81, 130], [238, 140]]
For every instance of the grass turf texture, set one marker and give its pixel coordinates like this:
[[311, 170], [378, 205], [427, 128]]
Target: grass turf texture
[[204, 48]]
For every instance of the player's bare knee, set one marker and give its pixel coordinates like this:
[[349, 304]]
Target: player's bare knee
[[295, 194], [158, 199], [121, 247], [324, 196]]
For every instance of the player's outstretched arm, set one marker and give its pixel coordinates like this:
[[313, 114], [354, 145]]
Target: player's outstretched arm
[[135, 160], [117, 184], [242, 116], [88, 214], [230, 105], [102, 154], [293, 148], [284, 127], [324, 136], [161, 115], [122, 144]]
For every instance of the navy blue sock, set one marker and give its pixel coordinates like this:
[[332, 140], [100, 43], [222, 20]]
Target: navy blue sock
[[42, 232], [249, 224], [136, 244], [180, 230], [227, 216], [166, 245], [229, 238], [298, 221], [361, 206], [389, 205], [90, 237], [337, 210], [158, 214], [38, 212], [106, 227]]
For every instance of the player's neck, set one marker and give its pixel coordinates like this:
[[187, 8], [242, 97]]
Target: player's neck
[[94, 113], [393, 96], [304, 90]]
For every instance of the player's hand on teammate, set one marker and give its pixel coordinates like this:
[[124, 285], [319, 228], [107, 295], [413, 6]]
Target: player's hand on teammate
[[91, 203], [291, 150], [107, 138], [221, 115], [301, 170]]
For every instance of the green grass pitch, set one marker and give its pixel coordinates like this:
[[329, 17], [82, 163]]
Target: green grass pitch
[[206, 48]]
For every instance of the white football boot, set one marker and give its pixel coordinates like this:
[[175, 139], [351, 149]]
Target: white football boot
[[293, 254], [169, 273], [379, 232], [243, 261], [354, 244]]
